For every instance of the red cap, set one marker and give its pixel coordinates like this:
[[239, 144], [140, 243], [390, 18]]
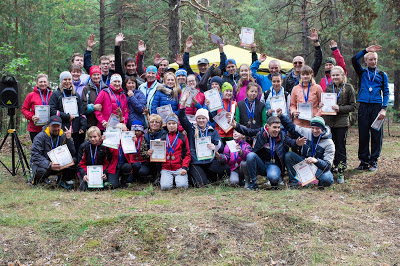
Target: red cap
[[94, 69]]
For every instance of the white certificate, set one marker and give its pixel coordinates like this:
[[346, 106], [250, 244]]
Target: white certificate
[[202, 151], [215, 38], [232, 145], [222, 121], [246, 36], [43, 112], [61, 156], [159, 148], [164, 111], [127, 143], [305, 110], [113, 120], [191, 118], [95, 176], [113, 137], [377, 124], [305, 172], [328, 99], [70, 106], [214, 97], [192, 93], [278, 102]]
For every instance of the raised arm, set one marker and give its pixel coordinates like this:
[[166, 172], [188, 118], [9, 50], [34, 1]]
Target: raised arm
[[117, 53], [186, 64], [338, 56], [87, 62], [316, 64], [140, 69]]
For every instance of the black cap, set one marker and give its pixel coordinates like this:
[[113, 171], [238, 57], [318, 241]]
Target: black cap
[[170, 69], [55, 120]]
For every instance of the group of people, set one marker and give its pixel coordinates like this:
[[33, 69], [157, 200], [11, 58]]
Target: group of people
[[259, 141]]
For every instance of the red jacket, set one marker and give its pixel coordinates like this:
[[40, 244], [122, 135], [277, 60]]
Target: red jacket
[[200, 98], [28, 107], [340, 62], [133, 156], [100, 159], [112, 167], [181, 153], [109, 104], [232, 110]]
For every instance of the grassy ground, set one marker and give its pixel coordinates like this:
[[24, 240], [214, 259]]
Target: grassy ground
[[357, 223]]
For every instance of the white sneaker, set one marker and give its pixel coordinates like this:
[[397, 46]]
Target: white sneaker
[[268, 184]]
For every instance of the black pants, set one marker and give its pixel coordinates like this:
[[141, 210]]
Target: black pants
[[139, 171], [78, 140], [339, 135], [33, 135], [40, 174], [123, 171], [367, 112], [202, 174]]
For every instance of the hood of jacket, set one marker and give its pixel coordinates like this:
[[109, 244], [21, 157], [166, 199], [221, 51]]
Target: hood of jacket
[[47, 131], [164, 89]]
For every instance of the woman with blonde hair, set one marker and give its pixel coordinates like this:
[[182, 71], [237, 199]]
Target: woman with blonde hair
[[239, 90], [339, 123], [167, 94], [308, 91], [75, 122], [39, 96]]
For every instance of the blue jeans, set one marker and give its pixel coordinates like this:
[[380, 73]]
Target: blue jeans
[[257, 166], [325, 178]]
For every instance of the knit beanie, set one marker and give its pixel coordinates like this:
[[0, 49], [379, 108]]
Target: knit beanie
[[318, 121], [64, 75], [94, 69], [151, 68], [218, 80], [172, 117], [115, 77], [137, 125], [226, 86], [330, 60], [181, 72], [202, 112]]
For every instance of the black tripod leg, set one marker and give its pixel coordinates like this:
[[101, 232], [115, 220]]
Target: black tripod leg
[[4, 140], [20, 152]]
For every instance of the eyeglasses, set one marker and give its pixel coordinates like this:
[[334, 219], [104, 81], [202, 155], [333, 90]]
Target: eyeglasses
[[154, 122], [297, 63]]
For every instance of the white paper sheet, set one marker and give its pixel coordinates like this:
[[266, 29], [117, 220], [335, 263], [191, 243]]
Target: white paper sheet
[[128, 145], [214, 97], [278, 102], [113, 137], [232, 145], [305, 172], [377, 124], [222, 121], [328, 99], [305, 110], [164, 111], [159, 148], [95, 173], [61, 155], [70, 106], [246, 36], [113, 120], [202, 151], [193, 93], [43, 112], [215, 38]]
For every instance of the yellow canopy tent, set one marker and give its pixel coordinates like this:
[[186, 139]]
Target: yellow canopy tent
[[241, 56]]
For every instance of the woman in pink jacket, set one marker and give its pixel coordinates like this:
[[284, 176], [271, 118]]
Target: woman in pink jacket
[[113, 101]]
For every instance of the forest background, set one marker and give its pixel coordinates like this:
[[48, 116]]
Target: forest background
[[40, 36]]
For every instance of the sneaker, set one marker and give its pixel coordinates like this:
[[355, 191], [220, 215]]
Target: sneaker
[[69, 182], [268, 183], [252, 186], [64, 185], [340, 178], [281, 184], [334, 170], [362, 166], [373, 167]]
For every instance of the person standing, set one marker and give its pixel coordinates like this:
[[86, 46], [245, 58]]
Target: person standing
[[373, 97]]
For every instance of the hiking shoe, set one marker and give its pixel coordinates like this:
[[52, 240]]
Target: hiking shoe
[[373, 167], [334, 170], [362, 167], [252, 186], [281, 184], [340, 178], [69, 182], [64, 185], [268, 184]]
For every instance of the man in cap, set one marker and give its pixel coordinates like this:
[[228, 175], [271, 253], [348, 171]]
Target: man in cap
[[42, 167], [330, 62]]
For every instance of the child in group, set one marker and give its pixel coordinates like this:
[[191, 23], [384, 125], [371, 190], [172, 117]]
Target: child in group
[[178, 156], [236, 160], [140, 168], [275, 90], [240, 89], [91, 152], [251, 112]]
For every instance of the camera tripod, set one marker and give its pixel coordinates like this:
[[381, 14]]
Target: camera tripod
[[22, 161]]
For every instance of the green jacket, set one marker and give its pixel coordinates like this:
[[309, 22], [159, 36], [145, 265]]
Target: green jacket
[[347, 103]]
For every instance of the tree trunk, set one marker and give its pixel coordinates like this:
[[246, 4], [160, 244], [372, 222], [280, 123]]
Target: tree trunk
[[206, 17], [174, 29], [396, 104], [304, 30], [18, 114], [102, 29]]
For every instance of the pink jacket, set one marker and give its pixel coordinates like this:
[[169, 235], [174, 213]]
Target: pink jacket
[[229, 157], [241, 95], [109, 104], [340, 62], [297, 96]]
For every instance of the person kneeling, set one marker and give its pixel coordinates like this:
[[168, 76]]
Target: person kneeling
[[50, 138], [317, 148], [178, 156]]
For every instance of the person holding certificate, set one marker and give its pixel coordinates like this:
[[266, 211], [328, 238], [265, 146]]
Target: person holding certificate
[[89, 95], [67, 104], [38, 97], [229, 106], [251, 112], [271, 96], [47, 140], [318, 149], [178, 157], [198, 101], [167, 94], [268, 154], [203, 167], [305, 98], [113, 101], [140, 167], [92, 152], [339, 123]]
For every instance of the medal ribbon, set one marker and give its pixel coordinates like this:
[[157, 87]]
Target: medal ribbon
[[326, 81], [52, 144], [337, 99], [308, 91], [171, 148], [236, 154], [229, 107], [296, 79], [371, 82], [201, 132], [138, 145], [316, 145], [251, 110], [116, 99], [120, 154], [272, 147], [91, 154], [47, 96]]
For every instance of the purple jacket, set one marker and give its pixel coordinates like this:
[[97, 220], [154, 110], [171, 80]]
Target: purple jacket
[[229, 157], [242, 92]]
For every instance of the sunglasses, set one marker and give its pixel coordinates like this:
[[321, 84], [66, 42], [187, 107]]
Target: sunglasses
[[297, 63]]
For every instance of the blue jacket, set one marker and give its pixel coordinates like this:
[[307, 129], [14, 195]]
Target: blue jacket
[[190, 130], [263, 80], [136, 103], [325, 150], [163, 96], [379, 85], [262, 147]]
